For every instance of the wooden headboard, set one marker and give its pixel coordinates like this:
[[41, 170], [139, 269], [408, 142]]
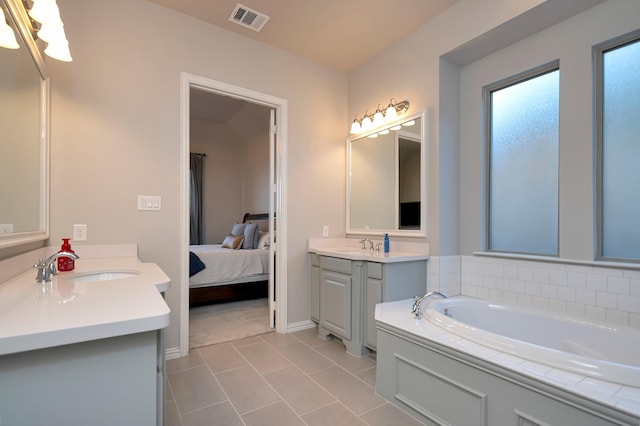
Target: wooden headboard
[[256, 216]]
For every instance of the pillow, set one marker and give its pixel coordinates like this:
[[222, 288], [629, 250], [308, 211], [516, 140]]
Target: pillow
[[238, 229], [195, 264], [263, 240], [233, 241], [250, 236]]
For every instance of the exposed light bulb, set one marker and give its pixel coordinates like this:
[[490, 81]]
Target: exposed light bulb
[[46, 12], [367, 124], [59, 51], [355, 127], [391, 113], [409, 123], [52, 33], [7, 36], [378, 118], [384, 132]]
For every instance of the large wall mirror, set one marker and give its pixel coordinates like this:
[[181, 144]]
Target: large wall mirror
[[386, 184], [24, 100]]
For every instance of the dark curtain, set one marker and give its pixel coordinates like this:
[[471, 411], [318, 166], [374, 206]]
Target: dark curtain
[[196, 165]]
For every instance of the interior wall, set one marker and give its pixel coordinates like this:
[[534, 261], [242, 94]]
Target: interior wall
[[255, 173], [222, 184], [116, 132], [571, 42], [414, 69]]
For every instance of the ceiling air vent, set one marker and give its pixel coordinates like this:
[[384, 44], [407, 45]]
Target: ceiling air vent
[[248, 18]]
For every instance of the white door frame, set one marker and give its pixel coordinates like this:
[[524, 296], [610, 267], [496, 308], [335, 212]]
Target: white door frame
[[280, 105]]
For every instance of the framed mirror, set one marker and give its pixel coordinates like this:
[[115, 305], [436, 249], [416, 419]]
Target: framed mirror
[[24, 145], [386, 179]]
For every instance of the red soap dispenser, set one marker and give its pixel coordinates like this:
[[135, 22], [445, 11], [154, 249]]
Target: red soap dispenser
[[66, 263]]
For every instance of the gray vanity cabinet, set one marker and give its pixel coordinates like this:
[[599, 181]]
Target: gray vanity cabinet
[[315, 287], [344, 294], [387, 282], [340, 297]]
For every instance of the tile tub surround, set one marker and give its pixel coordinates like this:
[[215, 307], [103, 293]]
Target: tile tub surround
[[283, 379], [595, 292]]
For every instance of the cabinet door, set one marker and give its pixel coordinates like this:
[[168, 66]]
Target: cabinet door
[[315, 293], [335, 303], [373, 296]]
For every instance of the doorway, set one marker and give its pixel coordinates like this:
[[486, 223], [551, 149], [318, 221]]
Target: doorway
[[277, 174]]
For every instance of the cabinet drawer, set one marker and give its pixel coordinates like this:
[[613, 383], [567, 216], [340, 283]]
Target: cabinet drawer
[[374, 270], [335, 264], [315, 259]]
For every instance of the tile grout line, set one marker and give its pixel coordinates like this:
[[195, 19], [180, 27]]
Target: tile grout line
[[222, 387], [268, 384]]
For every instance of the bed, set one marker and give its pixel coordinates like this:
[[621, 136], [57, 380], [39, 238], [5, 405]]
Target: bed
[[227, 274]]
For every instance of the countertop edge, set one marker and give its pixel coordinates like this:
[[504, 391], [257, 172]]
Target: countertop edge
[[377, 258], [146, 288]]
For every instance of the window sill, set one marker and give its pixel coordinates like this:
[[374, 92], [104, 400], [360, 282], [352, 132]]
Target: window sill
[[549, 259]]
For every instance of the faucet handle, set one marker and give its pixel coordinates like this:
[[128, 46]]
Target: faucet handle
[[41, 266], [52, 269]]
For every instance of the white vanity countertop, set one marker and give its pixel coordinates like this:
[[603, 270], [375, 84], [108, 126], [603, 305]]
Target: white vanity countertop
[[66, 310], [350, 249]]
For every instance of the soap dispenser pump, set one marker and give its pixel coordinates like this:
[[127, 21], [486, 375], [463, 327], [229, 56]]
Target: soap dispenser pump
[[66, 264], [386, 243]]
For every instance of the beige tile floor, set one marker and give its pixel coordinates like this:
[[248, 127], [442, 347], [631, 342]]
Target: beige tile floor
[[276, 379]]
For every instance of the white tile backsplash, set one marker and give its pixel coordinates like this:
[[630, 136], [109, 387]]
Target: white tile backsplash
[[597, 293]]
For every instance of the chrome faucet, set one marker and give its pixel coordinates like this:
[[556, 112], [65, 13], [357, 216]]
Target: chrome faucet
[[417, 301], [47, 268], [364, 244]]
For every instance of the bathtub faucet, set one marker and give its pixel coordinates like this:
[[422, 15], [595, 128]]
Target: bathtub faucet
[[417, 302]]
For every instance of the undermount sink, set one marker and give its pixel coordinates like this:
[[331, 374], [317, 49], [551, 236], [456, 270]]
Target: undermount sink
[[350, 250], [102, 276]]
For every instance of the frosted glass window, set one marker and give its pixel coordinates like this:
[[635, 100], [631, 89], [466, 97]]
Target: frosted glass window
[[523, 166], [621, 152]]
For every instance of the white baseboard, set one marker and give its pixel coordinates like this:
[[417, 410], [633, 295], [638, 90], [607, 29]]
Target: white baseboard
[[299, 326], [171, 353]]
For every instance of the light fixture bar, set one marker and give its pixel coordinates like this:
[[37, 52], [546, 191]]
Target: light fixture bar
[[379, 118]]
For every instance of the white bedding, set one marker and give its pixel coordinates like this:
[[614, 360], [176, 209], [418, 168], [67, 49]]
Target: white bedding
[[226, 266]]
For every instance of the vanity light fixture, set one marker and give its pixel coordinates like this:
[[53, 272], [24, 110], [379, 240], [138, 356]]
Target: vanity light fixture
[[47, 14], [7, 36], [51, 31], [366, 124], [370, 121]]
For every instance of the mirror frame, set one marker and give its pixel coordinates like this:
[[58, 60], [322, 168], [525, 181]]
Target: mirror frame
[[415, 233], [17, 17]]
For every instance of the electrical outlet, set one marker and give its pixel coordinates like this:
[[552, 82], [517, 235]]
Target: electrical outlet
[[325, 231], [79, 232]]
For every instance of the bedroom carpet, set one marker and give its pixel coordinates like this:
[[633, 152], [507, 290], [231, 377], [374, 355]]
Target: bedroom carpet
[[228, 321]]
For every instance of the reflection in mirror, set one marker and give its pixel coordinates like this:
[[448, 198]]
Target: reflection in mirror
[[385, 188], [23, 145]]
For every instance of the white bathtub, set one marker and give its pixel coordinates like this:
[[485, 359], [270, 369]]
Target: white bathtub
[[588, 348]]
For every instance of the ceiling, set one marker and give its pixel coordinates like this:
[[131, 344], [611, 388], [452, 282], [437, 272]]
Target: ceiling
[[340, 34]]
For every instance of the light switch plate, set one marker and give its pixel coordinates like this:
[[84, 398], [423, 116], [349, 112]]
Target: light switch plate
[[149, 202]]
